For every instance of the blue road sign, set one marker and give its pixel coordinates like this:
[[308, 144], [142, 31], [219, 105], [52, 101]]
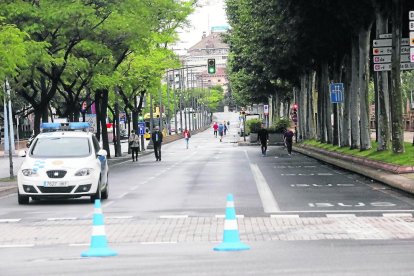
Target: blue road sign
[[141, 127], [337, 92]]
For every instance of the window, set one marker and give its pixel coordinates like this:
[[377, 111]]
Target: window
[[61, 147]]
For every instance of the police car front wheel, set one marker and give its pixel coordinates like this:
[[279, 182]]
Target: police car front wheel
[[22, 199]]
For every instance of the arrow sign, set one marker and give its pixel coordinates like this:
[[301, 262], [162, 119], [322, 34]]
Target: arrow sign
[[388, 42], [387, 66], [381, 36], [388, 50], [411, 39], [412, 54], [387, 58]]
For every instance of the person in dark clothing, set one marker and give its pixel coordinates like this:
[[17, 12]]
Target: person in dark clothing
[[263, 136], [288, 138], [156, 138]]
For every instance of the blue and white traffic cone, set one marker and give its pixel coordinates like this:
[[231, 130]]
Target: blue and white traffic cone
[[231, 237], [99, 245]]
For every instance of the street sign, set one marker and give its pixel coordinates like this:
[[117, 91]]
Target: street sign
[[141, 127], [412, 39], [387, 58], [266, 109], [387, 66], [337, 92], [382, 36], [412, 54], [411, 15], [388, 42], [411, 25], [388, 50]]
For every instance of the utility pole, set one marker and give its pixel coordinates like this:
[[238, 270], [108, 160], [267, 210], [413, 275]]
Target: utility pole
[[9, 126]]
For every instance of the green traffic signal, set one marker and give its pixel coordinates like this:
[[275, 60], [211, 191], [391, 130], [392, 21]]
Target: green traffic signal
[[211, 64]]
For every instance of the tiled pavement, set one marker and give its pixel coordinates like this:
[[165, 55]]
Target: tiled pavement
[[206, 229]]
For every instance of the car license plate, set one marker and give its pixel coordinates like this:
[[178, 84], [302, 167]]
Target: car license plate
[[55, 184]]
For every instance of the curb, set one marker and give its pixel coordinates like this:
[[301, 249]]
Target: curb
[[386, 177], [396, 169]]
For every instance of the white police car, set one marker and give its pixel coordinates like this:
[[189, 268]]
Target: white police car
[[64, 161]]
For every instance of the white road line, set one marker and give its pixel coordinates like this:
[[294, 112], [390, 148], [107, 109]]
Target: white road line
[[347, 211], [340, 215], [10, 220], [224, 216], [119, 217], [124, 194], [397, 215], [15, 245], [155, 243], [173, 216], [79, 244], [268, 201], [57, 219], [284, 216]]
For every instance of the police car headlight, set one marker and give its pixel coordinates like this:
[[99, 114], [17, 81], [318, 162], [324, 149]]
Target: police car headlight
[[84, 172], [29, 172]]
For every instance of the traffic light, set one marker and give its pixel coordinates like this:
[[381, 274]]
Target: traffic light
[[211, 64]]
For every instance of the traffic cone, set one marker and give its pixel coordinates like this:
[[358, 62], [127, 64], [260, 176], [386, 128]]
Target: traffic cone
[[99, 245], [231, 238]]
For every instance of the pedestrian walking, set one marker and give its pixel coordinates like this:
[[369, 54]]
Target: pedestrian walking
[[228, 124], [215, 127], [133, 141], [263, 136], [156, 138], [288, 138], [225, 128], [187, 136], [221, 131]]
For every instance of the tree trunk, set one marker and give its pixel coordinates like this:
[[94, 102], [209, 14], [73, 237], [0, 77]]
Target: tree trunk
[[395, 96], [103, 113], [347, 104], [98, 94], [355, 134], [320, 115], [382, 110], [311, 118], [327, 106], [363, 76]]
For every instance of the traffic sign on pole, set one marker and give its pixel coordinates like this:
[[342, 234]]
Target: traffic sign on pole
[[411, 25], [388, 42], [411, 15], [412, 54], [387, 58], [412, 39], [337, 92], [387, 66]]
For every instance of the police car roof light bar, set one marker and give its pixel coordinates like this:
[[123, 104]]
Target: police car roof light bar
[[65, 126]]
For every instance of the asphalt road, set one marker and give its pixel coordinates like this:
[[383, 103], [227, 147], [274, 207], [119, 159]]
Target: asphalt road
[[300, 217]]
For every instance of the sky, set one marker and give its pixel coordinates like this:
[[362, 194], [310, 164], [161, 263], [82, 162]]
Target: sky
[[209, 13]]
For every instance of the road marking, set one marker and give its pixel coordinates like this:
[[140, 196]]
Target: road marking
[[79, 244], [284, 216], [57, 219], [15, 245], [10, 220], [173, 216], [268, 201], [155, 243], [340, 215], [224, 216], [397, 215], [124, 194], [119, 217]]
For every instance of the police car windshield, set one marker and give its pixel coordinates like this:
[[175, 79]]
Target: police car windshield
[[61, 147]]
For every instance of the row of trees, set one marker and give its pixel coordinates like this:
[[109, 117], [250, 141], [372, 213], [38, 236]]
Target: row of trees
[[292, 50], [57, 54]]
